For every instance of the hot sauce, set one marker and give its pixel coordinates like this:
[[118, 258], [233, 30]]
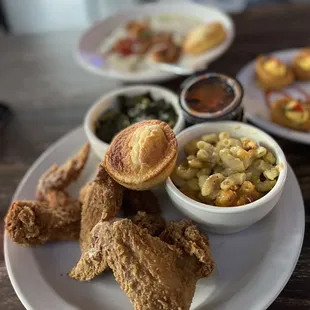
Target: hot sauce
[[209, 95]]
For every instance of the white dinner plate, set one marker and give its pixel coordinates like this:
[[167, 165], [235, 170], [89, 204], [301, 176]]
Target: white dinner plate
[[257, 103], [253, 266], [91, 59]]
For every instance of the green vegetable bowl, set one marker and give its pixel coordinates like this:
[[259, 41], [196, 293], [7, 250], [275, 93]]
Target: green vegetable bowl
[[123, 107]]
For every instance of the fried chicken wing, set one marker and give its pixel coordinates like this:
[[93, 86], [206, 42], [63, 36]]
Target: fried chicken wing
[[185, 235], [58, 178], [168, 53], [153, 223], [151, 272], [56, 216], [93, 260], [135, 201], [34, 222], [102, 199]]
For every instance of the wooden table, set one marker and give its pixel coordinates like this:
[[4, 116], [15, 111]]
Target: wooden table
[[49, 95]]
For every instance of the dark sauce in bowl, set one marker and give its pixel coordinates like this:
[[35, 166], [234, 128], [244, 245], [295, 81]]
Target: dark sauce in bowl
[[209, 95]]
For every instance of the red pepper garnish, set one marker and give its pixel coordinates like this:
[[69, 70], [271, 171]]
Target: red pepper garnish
[[124, 47], [298, 108]]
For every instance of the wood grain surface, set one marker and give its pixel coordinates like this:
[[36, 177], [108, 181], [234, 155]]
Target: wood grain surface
[[49, 95]]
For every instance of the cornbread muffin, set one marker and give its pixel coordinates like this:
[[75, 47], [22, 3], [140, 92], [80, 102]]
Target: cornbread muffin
[[291, 113], [142, 155], [301, 65], [204, 38], [272, 73]]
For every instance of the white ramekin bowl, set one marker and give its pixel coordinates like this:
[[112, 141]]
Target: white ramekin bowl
[[107, 101], [228, 220]]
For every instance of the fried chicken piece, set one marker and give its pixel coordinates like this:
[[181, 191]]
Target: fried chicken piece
[[58, 178], [162, 38], [153, 223], [185, 235], [152, 273], [102, 199], [93, 260], [34, 222], [168, 52], [135, 201], [138, 29]]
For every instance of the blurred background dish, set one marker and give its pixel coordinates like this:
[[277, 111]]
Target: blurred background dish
[[97, 41], [258, 103]]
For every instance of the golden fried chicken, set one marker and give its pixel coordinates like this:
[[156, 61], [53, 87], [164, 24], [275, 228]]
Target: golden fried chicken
[[168, 52], [138, 29], [102, 199], [58, 178], [135, 201], [34, 222], [93, 260], [153, 223], [152, 273], [185, 236]]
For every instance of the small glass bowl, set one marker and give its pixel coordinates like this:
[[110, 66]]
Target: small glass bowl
[[233, 111]]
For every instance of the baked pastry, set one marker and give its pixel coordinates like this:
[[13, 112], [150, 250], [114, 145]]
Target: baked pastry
[[291, 113], [272, 73], [301, 65], [203, 38], [142, 155]]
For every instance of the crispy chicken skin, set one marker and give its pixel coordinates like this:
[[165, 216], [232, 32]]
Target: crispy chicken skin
[[93, 260], [102, 199], [152, 273], [135, 201], [58, 178], [34, 222], [153, 223], [185, 236], [56, 216]]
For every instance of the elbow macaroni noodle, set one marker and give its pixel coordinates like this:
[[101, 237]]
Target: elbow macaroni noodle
[[225, 171]]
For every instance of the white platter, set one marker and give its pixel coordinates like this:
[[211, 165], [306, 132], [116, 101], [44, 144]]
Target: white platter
[[89, 57], [256, 106], [252, 266]]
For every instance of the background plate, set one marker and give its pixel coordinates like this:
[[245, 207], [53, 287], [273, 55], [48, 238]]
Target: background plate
[[256, 103], [91, 60], [252, 266]]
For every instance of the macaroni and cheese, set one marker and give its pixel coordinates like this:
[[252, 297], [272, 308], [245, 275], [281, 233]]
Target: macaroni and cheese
[[225, 171]]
